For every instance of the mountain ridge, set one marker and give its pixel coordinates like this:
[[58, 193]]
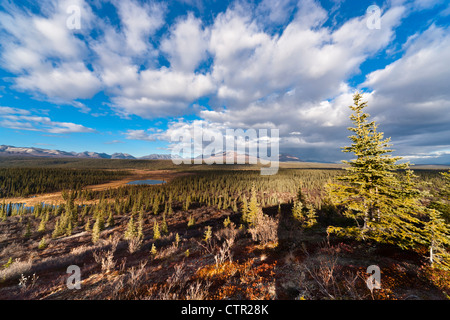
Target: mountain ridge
[[7, 150]]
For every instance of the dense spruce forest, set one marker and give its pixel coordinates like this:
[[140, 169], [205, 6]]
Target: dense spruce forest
[[83, 163], [22, 182], [223, 190]]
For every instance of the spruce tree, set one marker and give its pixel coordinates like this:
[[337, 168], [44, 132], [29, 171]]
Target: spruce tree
[[140, 230], [207, 235], [156, 232], [187, 203], [191, 221], [43, 222], [42, 244], [153, 250], [438, 235], [164, 227], [446, 190], [444, 197], [253, 207], [305, 214], [27, 233], [110, 221], [3, 214], [227, 222], [87, 226], [297, 210], [244, 207], [155, 206], [177, 240], [9, 210], [69, 227], [310, 217], [384, 207], [96, 229], [130, 232], [437, 228], [58, 229], [234, 206]]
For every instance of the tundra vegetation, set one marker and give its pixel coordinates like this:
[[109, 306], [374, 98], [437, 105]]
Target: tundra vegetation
[[216, 233]]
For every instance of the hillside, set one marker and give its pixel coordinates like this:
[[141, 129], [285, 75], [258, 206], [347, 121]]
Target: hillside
[[162, 242]]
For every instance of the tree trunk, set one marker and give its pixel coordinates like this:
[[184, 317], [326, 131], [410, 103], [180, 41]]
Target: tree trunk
[[431, 254]]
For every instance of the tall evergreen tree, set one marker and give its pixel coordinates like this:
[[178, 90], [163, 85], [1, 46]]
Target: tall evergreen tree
[[304, 212], [253, 206], [156, 230], [442, 202], [97, 228], [140, 228], [446, 189], [437, 228], [244, 207], [131, 231], [438, 235], [384, 207]]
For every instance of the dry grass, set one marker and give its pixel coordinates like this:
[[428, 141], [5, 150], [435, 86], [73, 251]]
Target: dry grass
[[198, 290], [27, 283], [77, 256], [264, 229], [15, 270], [180, 286], [224, 253], [322, 276], [173, 288], [128, 285], [134, 244], [13, 250], [106, 258], [166, 252]]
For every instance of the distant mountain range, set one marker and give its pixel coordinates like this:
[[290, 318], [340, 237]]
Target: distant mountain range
[[159, 157], [234, 155], [289, 158], [38, 152]]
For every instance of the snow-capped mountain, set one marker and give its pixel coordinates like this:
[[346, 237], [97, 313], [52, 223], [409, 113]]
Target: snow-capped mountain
[[289, 158], [38, 152], [122, 156], [159, 157], [234, 155]]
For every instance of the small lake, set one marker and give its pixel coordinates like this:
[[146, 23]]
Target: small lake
[[146, 182]]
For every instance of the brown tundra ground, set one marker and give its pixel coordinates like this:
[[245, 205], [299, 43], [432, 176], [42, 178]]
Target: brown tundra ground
[[275, 260]]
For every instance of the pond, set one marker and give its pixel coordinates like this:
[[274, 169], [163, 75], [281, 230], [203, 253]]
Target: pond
[[22, 207], [146, 182]]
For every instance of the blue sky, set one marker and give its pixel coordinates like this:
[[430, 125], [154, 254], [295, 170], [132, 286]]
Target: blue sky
[[137, 71]]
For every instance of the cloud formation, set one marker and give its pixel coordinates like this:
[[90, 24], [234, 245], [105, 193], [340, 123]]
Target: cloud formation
[[411, 96], [21, 119], [271, 64]]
